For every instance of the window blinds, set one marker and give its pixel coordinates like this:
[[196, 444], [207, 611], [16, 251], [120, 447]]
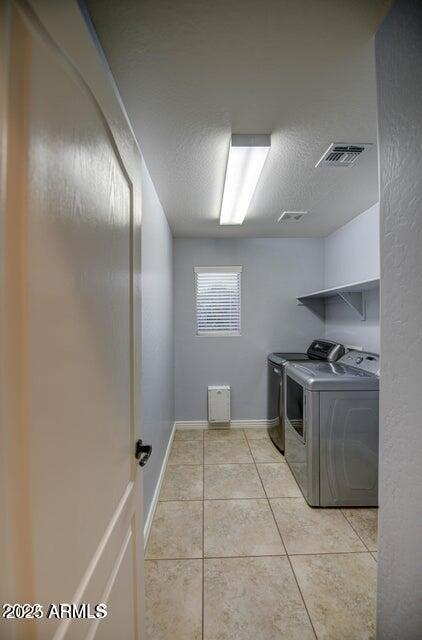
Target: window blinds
[[218, 300]]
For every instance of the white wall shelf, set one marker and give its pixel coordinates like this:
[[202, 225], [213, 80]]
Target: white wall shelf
[[352, 294]]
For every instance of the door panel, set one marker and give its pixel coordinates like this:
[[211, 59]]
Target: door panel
[[123, 608], [69, 289]]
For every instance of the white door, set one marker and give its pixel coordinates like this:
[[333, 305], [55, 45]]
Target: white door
[[71, 491]]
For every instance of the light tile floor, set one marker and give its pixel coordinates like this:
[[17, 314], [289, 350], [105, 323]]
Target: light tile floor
[[235, 553]]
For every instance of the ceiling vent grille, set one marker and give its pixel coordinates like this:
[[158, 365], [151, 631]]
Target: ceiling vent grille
[[292, 216], [342, 154]]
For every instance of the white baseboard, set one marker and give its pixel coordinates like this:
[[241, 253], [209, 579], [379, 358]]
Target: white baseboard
[[234, 424], [192, 424], [154, 502]]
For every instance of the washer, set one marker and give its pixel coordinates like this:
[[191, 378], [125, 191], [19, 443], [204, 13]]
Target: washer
[[331, 429], [318, 350]]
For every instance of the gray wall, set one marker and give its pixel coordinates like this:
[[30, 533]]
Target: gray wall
[[344, 325], [351, 255], [352, 252], [157, 333], [399, 79], [275, 272]]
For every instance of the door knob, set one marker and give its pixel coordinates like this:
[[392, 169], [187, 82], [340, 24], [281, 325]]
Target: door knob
[[142, 452]]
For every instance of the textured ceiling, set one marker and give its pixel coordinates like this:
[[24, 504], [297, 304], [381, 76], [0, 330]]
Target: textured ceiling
[[191, 72]]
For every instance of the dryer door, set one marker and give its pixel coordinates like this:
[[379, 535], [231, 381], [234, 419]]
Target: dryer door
[[349, 448], [302, 438]]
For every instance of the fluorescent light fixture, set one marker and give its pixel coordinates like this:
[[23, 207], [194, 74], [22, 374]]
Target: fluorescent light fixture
[[247, 155]]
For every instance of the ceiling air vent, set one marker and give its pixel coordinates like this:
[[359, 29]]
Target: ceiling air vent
[[292, 216], [342, 154]]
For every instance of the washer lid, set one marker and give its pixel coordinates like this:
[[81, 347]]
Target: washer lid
[[280, 358], [331, 376]]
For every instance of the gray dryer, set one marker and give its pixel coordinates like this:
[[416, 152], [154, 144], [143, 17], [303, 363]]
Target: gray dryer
[[331, 429]]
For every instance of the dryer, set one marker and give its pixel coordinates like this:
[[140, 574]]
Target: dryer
[[331, 430]]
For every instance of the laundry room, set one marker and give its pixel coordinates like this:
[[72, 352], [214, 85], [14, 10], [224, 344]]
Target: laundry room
[[276, 307], [210, 319], [276, 383]]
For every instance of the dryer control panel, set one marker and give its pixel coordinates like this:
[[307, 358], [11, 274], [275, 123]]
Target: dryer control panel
[[363, 360]]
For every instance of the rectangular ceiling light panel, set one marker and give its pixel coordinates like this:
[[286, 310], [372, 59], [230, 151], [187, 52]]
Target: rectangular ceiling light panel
[[247, 156]]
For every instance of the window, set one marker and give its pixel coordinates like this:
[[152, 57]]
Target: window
[[217, 301]]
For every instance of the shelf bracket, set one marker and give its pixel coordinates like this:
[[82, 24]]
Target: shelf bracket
[[355, 300]]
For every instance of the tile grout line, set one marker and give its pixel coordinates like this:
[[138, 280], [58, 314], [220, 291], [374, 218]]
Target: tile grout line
[[330, 553], [182, 500], [268, 555], [360, 537], [285, 548], [266, 496], [216, 464], [255, 498], [181, 559], [292, 569], [231, 499], [302, 596]]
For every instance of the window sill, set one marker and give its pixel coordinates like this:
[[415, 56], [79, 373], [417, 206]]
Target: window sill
[[218, 334]]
